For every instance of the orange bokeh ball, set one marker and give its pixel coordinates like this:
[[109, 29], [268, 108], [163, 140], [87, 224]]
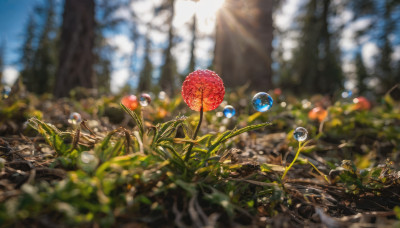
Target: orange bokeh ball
[[318, 113], [130, 102]]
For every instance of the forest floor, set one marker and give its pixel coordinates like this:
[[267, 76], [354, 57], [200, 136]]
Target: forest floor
[[98, 173]]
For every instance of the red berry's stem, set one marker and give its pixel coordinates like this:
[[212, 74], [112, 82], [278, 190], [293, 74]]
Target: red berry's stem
[[196, 131], [195, 135]]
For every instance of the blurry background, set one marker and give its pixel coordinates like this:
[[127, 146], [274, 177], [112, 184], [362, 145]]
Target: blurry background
[[301, 46]]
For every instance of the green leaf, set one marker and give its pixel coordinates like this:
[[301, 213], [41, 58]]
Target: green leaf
[[230, 134], [136, 118]]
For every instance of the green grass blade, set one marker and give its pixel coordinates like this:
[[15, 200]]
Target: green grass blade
[[136, 118]]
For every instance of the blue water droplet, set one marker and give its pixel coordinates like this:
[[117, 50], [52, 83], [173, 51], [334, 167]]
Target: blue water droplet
[[350, 93], [300, 134], [229, 111], [262, 102]]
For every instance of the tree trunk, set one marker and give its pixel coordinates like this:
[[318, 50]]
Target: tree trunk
[[77, 42], [244, 43]]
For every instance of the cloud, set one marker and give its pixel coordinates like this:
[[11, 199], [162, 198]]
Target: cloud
[[119, 79], [396, 53], [369, 51], [283, 20], [284, 17], [182, 55], [184, 11], [204, 49], [10, 74], [288, 45], [122, 13], [157, 36], [122, 43], [120, 60], [347, 41]]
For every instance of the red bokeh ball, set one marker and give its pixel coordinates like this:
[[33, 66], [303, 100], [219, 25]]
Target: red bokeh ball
[[361, 103], [203, 88], [318, 113], [130, 102]]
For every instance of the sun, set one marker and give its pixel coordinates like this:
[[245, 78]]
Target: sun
[[205, 11]]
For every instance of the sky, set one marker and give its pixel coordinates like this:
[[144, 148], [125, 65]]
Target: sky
[[14, 14]]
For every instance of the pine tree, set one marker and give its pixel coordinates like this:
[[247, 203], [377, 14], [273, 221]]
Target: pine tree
[[192, 62], [2, 53], [28, 50], [168, 69], [384, 66], [102, 65], [361, 73], [147, 71], [316, 61], [45, 58], [384, 14]]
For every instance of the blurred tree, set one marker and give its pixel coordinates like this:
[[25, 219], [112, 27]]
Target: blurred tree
[[28, 50], [77, 42], [316, 60], [102, 64], [384, 30], [244, 43], [2, 52], [192, 62], [135, 36], [361, 73], [168, 69], [385, 63], [45, 58], [147, 70], [39, 50], [107, 21]]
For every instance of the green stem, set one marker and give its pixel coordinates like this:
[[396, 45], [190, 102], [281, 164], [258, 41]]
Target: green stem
[[195, 135], [294, 160], [320, 173]]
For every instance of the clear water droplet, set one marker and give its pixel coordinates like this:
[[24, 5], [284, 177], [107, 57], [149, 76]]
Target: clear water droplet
[[88, 161], [75, 118], [262, 102], [5, 92], [144, 99], [162, 95], [229, 111], [300, 134], [347, 94]]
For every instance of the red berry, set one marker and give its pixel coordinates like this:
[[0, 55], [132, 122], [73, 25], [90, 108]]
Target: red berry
[[130, 102], [318, 113], [203, 88], [361, 103]]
